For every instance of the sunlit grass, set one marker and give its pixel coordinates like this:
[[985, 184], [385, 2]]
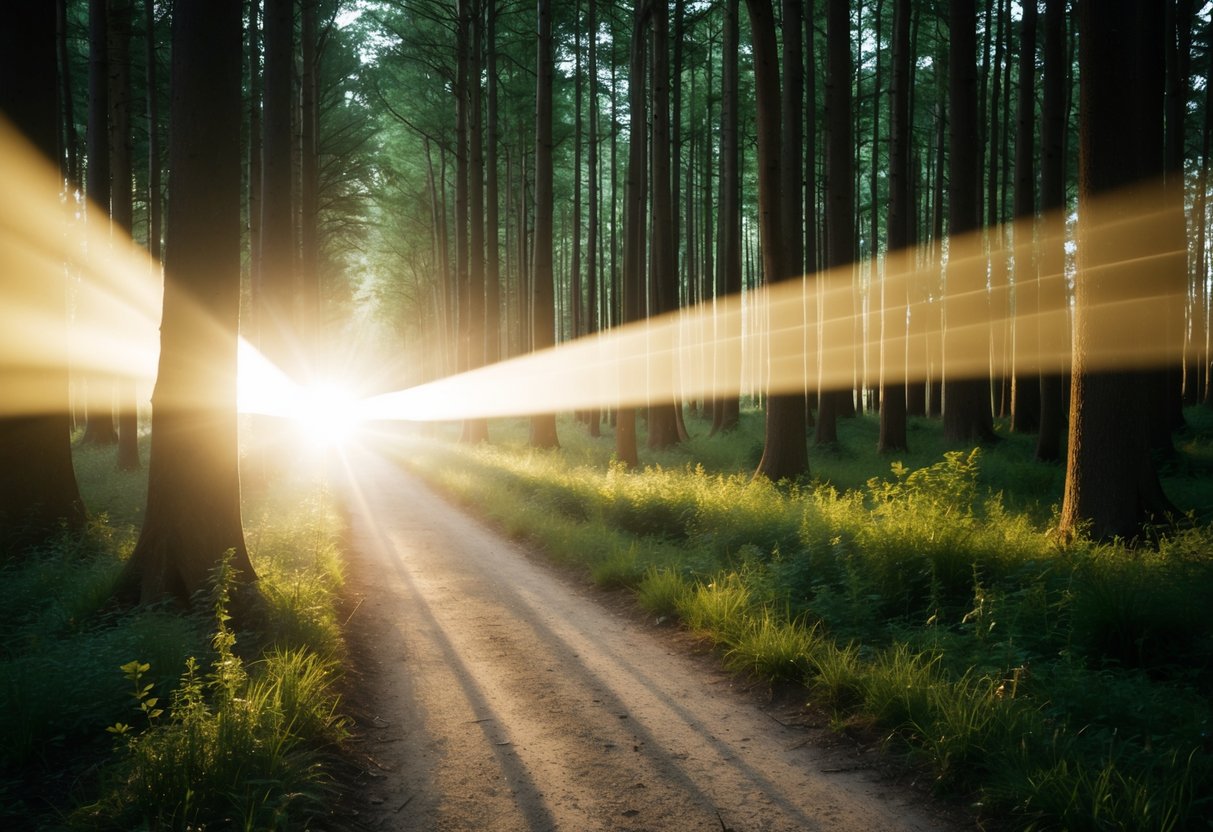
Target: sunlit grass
[[922, 597], [254, 759]]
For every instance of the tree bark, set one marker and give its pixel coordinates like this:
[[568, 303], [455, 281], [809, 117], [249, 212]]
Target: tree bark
[[1051, 289], [543, 425], [192, 521], [308, 302], [99, 428], [593, 415], [663, 263], [492, 259], [899, 261], [838, 307], [726, 413], [785, 451], [1025, 404], [122, 200], [1111, 485], [967, 416], [275, 304], [475, 430], [632, 279]]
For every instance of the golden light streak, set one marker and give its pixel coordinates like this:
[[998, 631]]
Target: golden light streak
[[51, 260], [616, 369]]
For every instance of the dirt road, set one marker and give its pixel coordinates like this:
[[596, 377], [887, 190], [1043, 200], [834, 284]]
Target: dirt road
[[500, 695]]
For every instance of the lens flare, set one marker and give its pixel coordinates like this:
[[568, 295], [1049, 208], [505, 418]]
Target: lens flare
[[76, 299]]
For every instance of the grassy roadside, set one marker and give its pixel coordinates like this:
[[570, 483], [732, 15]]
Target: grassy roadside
[[1046, 685], [152, 718]]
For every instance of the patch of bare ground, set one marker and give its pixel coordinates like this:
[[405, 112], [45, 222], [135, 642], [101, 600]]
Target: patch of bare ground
[[491, 691]]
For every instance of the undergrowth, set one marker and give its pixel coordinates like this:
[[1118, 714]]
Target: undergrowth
[[115, 718], [1060, 685]]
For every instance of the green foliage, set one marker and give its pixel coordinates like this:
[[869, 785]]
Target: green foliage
[[1068, 684], [200, 721], [237, 744]]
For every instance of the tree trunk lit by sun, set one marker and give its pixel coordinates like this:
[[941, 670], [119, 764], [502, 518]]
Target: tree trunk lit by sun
[[193, 505]]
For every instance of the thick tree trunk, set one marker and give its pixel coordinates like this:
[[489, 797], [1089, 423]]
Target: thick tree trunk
[[967, 416], [155, 197], [38, 491], [1111, 485], [192, 520], [899, 262], [785, 451], [543, 425]]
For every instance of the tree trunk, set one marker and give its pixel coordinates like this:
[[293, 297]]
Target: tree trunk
[[192, 521], [543, 426], [726, 413], [492, 260], [70, 157], [38, 492], [309, 188], [899, 261], [835, 398], [122, 200], [475, 430], [593, 415], [632, 283], [275, 306], [785, 452], [663, 265], [1025, 406], [967, 415], [99, 426], [1111, 485], [1051, 289]]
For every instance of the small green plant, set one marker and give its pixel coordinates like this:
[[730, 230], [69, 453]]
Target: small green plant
[[142, 693]]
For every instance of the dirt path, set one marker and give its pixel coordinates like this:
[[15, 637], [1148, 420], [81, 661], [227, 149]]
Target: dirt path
[[500, 696]]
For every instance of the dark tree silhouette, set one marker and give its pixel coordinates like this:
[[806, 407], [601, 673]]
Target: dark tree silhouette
[[840, 218], [193, 502], [38, 492], [99, 428], [1111, 485], [967, 415], [785, 450], [121, 198]]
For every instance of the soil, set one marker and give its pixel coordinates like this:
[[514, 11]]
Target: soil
[[493, 692]]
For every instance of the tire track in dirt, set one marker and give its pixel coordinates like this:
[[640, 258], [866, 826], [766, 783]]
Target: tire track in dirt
[[499, 696]]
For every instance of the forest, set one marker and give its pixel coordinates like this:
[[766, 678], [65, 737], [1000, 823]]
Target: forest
[[867, 339]]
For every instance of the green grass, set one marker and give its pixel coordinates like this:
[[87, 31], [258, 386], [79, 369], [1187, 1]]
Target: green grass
[[114, 718], [1048, 684]]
